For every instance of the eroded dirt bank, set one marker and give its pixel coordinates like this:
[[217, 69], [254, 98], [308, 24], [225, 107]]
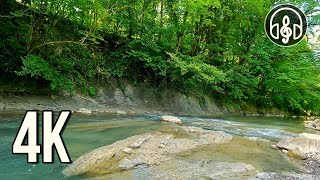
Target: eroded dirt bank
[[126, 100]]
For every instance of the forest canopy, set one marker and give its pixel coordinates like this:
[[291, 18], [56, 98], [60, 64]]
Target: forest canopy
[[200, 47]]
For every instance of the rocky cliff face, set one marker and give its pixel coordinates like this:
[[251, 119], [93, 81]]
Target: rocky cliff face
[[158, 100], [127, 100]]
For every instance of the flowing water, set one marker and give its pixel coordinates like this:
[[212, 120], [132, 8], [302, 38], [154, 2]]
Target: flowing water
[[85, 133]]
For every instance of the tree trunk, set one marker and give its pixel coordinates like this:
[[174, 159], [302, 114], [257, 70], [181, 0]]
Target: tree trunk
[[198, 36], [181, 33], [130, 12], [161, 19]]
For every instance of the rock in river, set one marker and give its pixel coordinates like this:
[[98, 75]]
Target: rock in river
[[313, 124], [84, 111], [297, 154], [310, 136], [170, 119], [301, 147], [143, 150], [316, 124]]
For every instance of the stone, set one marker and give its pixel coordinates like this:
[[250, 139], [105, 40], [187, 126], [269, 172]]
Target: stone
[[171, 119], [314, 156], [191, 130], [165, 141], [313, 124], [127, 150], [308, 124], [126, 164], [140, 141], [162, 146], [121, 112], [310, 136], [263, 175], [297, 154], [84, 111], [274, 147], [284, 151], [316, 124]]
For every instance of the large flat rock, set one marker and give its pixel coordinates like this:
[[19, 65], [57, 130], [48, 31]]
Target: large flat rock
[[144, 150]]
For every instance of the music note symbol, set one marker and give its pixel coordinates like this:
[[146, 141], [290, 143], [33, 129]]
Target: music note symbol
[[286, 25], [286, 31]]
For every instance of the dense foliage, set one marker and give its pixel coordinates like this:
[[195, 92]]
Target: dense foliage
[[212, 47]]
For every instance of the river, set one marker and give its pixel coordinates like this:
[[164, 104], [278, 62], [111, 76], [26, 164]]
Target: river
[[88, 132]]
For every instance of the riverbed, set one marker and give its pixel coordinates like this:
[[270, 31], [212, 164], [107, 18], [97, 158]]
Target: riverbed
[[251, 143]]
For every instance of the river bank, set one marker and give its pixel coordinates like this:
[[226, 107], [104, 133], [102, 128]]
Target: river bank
[[126, 100], [130, 99]]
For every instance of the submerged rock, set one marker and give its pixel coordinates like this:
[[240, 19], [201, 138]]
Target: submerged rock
[[196, 169], [143, 150], [257, 139], [170, 119]]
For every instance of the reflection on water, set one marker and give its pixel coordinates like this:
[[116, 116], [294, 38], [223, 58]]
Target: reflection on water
[[85, 133]]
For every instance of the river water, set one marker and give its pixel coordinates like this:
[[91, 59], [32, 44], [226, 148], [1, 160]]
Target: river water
[[85, 133]]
